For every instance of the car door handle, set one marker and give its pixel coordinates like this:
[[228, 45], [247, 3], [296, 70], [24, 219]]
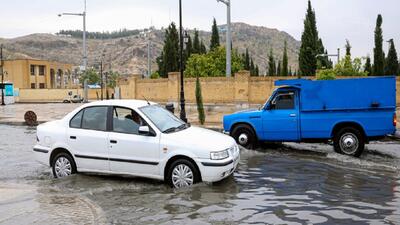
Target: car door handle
[[113, 141], [292, 115], [72, 137]]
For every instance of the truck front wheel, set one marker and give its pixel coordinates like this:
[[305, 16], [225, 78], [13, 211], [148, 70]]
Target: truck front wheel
[[244, 136], [349, 141]]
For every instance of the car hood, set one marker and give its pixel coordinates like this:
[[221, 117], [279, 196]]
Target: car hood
[[200, 138]]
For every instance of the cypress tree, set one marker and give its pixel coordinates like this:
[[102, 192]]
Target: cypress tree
[[348, 48], [285, 61], [310, 46], [214, 36], [252, 68], [271, 63], [199, 102], [392, 62], [247, 60], [203, 49], [379, 58], [257, 71], [368, 67], [278, 70], [196, 43], [170, 54]]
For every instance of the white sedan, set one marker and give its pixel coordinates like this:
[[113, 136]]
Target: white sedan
[[133, 137]]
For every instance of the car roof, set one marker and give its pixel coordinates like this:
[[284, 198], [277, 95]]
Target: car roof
[[124, 103]]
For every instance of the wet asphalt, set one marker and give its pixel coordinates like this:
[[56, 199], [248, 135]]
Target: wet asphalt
[[275, 184]]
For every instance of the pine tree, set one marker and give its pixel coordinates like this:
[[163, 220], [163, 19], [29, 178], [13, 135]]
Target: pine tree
[[379, 58], [170, 54], [203, 49], [392, 62], [257, 71], [368, 67], [214, 36], [285, 61], [309, 44], [271, 63], [278, 70], [196, 43]]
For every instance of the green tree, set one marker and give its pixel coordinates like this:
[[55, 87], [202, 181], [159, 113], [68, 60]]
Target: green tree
[[279, 70], [379, 58], [214, 36], [347, 59], [285, 61], [252, 68], [212, 64], [247, 60], [91, 76], [367, 66], [271, 63], [348, 47], [203, 49], [112, 79], [310, 44], [199, 102], [196, 43], [392, 62], [257, 71], [169, 59]]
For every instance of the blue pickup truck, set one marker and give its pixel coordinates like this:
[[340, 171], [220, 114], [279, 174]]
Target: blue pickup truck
[[349, 112]]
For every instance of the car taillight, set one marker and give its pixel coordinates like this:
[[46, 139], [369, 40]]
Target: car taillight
[[394, 120]]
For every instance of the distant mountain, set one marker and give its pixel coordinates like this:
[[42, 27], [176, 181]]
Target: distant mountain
[[129, 54]]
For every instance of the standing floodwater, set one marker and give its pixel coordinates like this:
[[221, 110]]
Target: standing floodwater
[[281, 186]]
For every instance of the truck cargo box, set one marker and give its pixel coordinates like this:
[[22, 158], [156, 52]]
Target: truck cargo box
[[345, 94]]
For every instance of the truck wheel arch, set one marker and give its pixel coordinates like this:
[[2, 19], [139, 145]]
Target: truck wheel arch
[[244, 123], [353, 124]]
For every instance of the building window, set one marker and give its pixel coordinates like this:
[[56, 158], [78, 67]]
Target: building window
[[41, 86], [33, 86], [41, 70], [32, 70]]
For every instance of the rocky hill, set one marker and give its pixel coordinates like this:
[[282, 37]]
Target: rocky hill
[[129, 54]]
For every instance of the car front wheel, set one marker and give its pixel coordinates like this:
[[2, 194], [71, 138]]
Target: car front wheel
[[63, 165], [182, 174], [244, 136]]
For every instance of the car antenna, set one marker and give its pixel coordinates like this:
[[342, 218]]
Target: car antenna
[[148, 103]]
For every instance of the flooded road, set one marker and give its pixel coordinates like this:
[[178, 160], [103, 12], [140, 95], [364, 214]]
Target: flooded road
[[273, 185]]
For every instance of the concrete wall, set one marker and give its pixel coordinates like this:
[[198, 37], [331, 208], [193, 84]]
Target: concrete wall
[[240, 89]]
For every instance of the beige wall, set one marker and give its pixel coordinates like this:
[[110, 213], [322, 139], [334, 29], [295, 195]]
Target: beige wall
[[18, 72], [240, 89]]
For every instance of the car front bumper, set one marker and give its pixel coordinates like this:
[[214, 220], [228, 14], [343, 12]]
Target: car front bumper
[[213, 171]]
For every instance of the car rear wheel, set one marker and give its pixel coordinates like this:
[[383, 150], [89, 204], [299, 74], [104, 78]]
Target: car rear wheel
[[63, 165], [349, 141], [182, 174], [244, 136]]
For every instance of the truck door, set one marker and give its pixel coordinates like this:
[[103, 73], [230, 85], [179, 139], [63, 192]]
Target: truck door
[[281, 117]]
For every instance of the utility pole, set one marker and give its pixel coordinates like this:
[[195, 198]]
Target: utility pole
[[228, 37], [2, 75], [85, 86], [182, 95], [148, 56]]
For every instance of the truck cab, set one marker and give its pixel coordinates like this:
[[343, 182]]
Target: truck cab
[[349, 112]]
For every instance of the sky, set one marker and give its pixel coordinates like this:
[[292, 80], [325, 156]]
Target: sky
[[337, 20]]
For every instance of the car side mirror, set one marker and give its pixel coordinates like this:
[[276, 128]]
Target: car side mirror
[[145, 130]]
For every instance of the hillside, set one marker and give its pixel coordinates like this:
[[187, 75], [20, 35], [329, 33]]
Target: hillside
[[129, 54]]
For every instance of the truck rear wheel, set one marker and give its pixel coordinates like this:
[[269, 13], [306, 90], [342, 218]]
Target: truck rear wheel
[[349, 141], [244, 136]]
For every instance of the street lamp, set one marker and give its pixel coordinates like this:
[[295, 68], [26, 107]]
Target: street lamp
[[228, 37], [84, 42], [330, 55], [2, 75], [182, 95]]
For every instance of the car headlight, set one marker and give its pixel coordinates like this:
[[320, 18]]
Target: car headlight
[[219, 155]]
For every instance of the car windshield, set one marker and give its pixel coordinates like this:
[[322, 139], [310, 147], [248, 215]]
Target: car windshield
[[163, 119]]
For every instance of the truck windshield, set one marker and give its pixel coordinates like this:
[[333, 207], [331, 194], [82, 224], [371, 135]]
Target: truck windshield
[[163, 119]]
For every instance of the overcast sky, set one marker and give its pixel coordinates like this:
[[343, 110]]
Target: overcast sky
[[337, 20]]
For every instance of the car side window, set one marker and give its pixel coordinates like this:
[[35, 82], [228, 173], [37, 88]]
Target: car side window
[[284, 100], [126, 121], [95, 118], [76, 120]]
